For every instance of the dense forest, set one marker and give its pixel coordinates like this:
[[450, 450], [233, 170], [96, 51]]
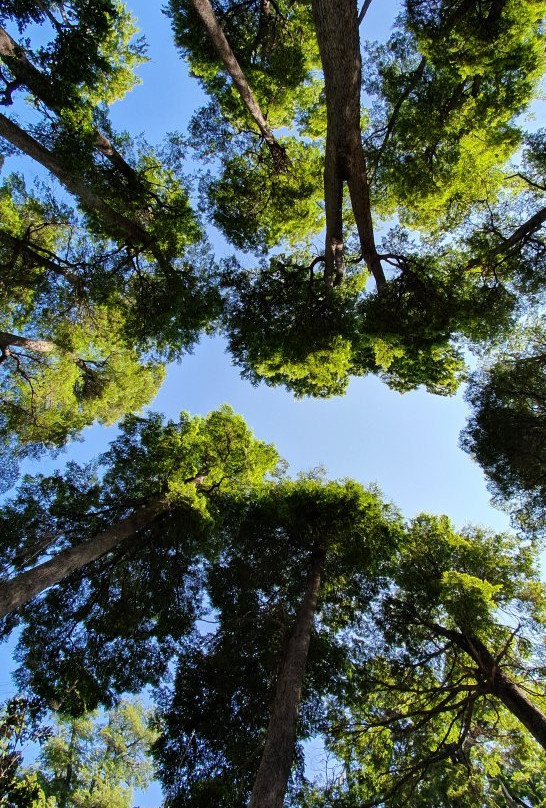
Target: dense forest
[[185, 609]]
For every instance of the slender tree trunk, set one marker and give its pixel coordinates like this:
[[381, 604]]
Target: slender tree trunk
[[274, 770], [223, 49], [27, 585], [336, 24], [22, 140], [39, 85]]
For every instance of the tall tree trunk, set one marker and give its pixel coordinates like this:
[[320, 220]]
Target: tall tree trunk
[[274, 770], [336, 24], [38, 345], [223, 49], [511, 695], [76, 185], [40, 86], [497, 682], [26, 585]]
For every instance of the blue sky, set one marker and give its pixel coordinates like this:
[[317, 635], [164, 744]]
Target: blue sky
[[407, 444]]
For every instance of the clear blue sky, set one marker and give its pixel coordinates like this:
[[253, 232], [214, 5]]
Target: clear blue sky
[[407, 444]]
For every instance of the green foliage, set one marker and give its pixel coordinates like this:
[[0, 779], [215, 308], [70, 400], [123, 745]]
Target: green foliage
[[87, 762], [90, 762], [93, 53], [110, 314], [454, 129], [275, 47], [506, 432], [415, 721], [20, 788], [258, 208], [119, 643], [89, 375], [215, 715]]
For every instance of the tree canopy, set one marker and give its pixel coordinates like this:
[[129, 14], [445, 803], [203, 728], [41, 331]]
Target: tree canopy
[[383, 207], [266, 611]]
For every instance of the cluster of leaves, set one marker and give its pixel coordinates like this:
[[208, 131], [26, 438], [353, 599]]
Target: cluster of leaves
[[86, 762]]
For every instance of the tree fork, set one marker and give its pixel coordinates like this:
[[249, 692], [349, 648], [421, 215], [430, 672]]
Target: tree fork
[[27, 585], [497, 682], [274, 770], [336, 25], [511, 695]]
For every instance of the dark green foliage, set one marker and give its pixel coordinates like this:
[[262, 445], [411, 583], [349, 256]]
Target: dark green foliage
[[19, 725], [507, 431], [215, 716], [418, 723], [131, 610]]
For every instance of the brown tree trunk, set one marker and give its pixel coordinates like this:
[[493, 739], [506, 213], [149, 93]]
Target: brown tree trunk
[[39, 85], [274, 770], [223, 49], [39, 345], [27, 585], [336, 24], [511, 695], [497, 682], [120, 224]]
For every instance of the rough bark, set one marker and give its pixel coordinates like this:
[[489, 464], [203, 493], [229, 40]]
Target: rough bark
[[14, 56], [223, 49], [27, 585], [336, 24], [498, 683], [8, 340], [274, 770], [124, 227]]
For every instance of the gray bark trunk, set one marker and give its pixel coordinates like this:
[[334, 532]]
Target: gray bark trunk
[[336, 24], [39, 345], [274, 771], [39, 85], [223, 49], [26, 143], [27, 585]]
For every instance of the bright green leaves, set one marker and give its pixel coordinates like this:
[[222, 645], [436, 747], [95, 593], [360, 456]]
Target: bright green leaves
[[88, 375], [107, 758], [85, 762], [274, 44], [463, 593], [192, 461], [110, 314], [285, 326], [447, 125]]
